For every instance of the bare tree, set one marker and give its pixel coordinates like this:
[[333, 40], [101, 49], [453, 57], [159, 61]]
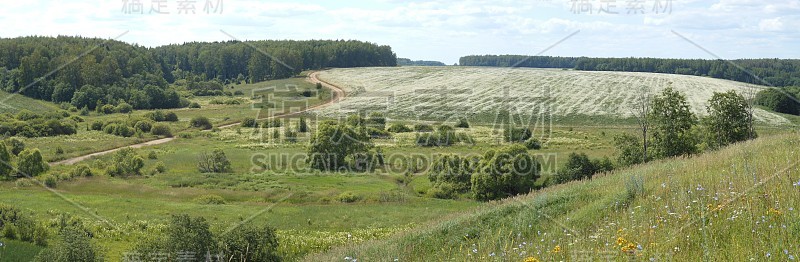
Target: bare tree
[[641, 110]]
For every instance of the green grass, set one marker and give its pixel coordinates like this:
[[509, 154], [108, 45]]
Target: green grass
[[14, 250], [13, 103], [735, 204]]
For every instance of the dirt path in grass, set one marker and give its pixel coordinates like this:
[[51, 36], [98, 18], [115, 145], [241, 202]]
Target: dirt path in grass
[[338, 94], [74, 160]]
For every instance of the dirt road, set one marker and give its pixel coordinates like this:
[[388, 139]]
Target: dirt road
[[338, 94]]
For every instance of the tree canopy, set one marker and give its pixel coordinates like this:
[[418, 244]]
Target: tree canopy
[[90, 71]]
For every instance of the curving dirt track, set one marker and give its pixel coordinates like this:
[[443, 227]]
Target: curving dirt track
[[338, 95]]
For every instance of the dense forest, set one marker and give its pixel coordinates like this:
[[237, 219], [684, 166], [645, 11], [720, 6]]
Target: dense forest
[[777, 72], [409, 62], [88, 72]]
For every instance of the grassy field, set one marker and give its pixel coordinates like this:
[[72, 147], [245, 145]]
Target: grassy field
[[13, 103], [480, 92], [736, 204], [392, 215]]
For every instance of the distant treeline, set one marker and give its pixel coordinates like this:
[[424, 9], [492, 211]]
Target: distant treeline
[[88, 72], [408, 62], [777, 72]]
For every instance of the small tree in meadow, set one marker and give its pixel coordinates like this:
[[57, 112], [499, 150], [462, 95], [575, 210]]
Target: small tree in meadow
[[125, 163], [200, 122], [31, 163], [215, 162]]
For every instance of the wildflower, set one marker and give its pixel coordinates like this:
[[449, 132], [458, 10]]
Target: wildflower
[[797, 184], [773, 211], [621, 241], [474, 250], [531, 259], [768, 255], [557, 249]]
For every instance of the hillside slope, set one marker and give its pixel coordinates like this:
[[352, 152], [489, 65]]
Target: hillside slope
[[737, 204], [13, 103], [422, 91]]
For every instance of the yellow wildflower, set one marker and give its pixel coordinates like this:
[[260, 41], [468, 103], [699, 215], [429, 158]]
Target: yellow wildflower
[[531, 259], [557, 249], [621, 241]]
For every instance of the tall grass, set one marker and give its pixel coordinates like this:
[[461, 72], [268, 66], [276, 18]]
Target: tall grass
[[736, 204]]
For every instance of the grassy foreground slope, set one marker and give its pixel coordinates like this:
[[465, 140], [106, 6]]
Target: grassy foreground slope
[[13, 103], [740, 203], [411, 92]]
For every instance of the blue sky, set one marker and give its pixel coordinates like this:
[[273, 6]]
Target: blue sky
[[441, 30]]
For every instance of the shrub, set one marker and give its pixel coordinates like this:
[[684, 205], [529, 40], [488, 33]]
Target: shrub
[[210, 199], [462, 123], [216, 162], [249, 122], [194, 105], [516, 134], [533, 143], [59, 150], [450, 175], [144, 126], [157, 115], [161, 130], [275, 122], [333, 143], [81, 171], [161, 167], [108, 109], [200, 122], [423, 128], [16, 145], [96, 125], [152, 155], [378, 133], [50, 181], [23, 182], [171, 117], [580, 167], [302, 126], [507, 172], [5, 160], [289, 134], [318, 86], [399, 128], [124, 108], [25, 115], [630, 150], [251, 243], [30, 163], [124, 131], [348, 197], [125, 163], [75, 245]]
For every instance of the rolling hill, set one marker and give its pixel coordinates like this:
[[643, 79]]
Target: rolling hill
[[423, 92]]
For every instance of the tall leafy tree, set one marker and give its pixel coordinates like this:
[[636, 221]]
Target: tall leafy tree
[[729, 120], [672, 121]]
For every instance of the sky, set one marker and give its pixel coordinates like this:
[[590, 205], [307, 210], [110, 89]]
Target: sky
[[436, 29]]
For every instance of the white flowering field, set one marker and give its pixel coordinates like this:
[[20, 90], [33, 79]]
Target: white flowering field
[[427, 92]]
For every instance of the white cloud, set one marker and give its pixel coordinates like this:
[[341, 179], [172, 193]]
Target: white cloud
[[773, 24], [437, 29]]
